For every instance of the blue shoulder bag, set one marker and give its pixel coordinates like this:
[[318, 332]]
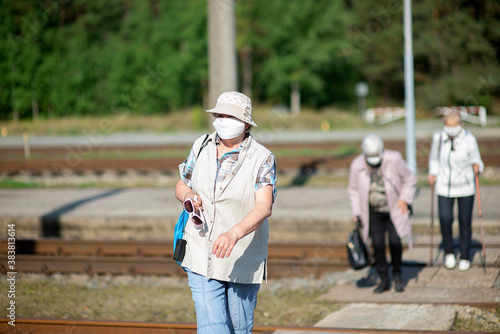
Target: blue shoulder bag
[[180, 243]]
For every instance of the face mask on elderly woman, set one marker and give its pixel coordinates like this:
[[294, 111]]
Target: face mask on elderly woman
[[374, 161], [452, 131], [228, 127], [373, 148]]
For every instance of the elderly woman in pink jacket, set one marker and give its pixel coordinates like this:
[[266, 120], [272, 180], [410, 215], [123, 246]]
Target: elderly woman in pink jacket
[[381, 189]]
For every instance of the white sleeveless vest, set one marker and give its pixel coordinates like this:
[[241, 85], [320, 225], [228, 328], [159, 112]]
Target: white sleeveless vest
[[225, 206]]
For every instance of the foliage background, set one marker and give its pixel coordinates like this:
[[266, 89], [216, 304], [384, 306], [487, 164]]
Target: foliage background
[[75, 57]]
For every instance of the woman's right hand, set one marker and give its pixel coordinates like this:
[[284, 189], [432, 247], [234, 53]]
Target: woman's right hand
[[196, 200], [432, 179]]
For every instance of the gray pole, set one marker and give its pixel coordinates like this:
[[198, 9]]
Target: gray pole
[[223, 75], [361, 91], [411, 145]]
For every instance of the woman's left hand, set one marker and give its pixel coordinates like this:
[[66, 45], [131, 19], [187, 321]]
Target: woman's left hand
[[403, 206], [224, 244], [475, 167]]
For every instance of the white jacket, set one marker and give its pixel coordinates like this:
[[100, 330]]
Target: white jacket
[[453, 168]]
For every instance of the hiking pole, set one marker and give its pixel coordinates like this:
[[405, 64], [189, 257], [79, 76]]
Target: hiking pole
[[481, 219], [432, 225]]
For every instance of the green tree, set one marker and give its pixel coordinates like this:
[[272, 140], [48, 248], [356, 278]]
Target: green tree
[[455, 50], [296, 42], [453, 55], [375, 46], [85, 57], [90, 57]]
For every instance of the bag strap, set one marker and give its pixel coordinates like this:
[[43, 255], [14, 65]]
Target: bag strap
[[203, 144], [359, 224], [440, 144]]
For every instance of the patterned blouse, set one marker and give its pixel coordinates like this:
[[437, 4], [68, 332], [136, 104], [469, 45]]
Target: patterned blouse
[[266, 175], [377, 197]]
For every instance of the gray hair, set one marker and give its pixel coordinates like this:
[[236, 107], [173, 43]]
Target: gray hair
[[453, 115], [372, 145]]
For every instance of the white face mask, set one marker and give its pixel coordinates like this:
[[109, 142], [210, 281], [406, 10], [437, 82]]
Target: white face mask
[[452, 131], [228, 127], [374, 161]]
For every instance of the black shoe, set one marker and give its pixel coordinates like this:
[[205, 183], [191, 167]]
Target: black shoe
[[385, 285], [399, 284]]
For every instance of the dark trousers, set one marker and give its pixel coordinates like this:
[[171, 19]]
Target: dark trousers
[[380, 225], [465, 206]]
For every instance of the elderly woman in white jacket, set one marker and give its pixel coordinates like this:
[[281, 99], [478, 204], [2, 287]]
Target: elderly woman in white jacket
[[453, 162], [381, 188]]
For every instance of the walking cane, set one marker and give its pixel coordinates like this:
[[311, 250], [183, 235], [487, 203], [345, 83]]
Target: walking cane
[[432, 225], [481, 219]]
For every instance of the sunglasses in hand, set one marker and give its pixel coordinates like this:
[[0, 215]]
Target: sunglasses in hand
[[194, 212]]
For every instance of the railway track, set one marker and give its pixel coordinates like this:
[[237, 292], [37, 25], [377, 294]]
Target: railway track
[[155, 258], [305, 157], [285, 259], [53, 326], [146, 257]]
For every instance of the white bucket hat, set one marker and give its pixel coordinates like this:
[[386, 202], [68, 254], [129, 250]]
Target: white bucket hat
[[234, 104]]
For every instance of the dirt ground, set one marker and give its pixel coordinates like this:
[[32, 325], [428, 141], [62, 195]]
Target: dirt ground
[[292, 302]]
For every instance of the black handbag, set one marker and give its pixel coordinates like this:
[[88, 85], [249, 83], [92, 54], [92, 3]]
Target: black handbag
[[356, 249]]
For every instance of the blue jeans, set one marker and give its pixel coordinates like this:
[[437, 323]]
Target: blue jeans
[[223, 307]]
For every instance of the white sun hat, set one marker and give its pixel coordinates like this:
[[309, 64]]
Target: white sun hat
[[234, 104]]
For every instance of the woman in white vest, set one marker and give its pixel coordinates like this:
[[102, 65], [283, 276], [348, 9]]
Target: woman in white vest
[[453, 161], [230, 179]]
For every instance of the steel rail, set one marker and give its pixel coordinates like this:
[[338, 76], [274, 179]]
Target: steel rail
[[286, 259], [169, 165], [91, 265], [154, 248], [56, 161], [422, 145], [150, 248], [53, 326]]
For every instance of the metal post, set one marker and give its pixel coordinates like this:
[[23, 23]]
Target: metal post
[[361, 90], [361, 107], [295, 98], [26, 142], [411, 146], [223, 74]]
